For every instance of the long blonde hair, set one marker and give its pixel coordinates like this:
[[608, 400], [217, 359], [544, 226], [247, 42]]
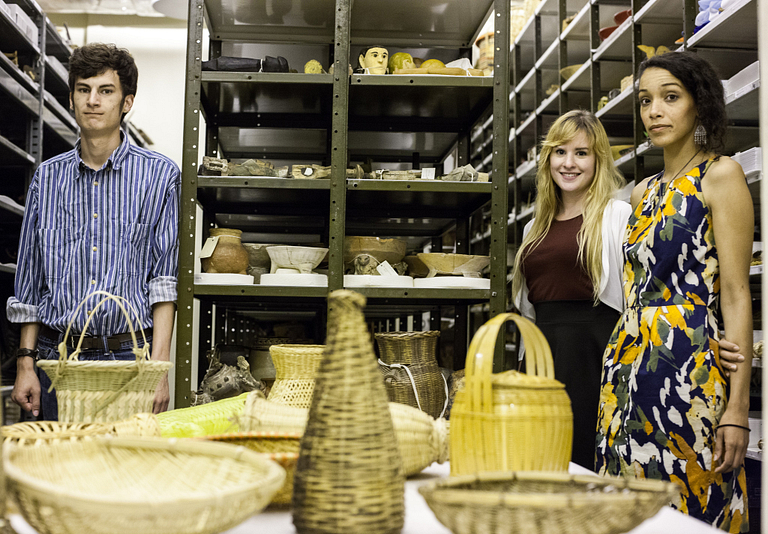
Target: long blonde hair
[[606, 182]]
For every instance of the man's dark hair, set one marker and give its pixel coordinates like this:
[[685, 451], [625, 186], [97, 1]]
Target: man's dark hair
[[96, 58], [703, 82]]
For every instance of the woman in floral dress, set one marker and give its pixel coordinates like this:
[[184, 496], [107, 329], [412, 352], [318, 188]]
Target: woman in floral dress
[[666, 410]]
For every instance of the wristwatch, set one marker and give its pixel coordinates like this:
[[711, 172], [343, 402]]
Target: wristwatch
[[23, 353]]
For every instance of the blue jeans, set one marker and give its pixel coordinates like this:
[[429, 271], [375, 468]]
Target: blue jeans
[[48, 349]]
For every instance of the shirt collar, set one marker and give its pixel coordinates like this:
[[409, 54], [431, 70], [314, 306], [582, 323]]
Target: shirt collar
[[115, 160]]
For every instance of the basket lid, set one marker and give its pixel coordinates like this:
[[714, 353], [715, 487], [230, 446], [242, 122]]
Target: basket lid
[[515, 379]]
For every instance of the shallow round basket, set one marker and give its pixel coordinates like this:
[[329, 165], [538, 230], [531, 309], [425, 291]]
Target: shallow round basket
[[38, 433], [280, 447], [152, 486], [543, 502]]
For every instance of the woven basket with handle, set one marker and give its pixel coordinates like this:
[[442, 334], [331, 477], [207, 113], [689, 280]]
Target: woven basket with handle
[[98, 391], [411, 374], [510, 421], [295, 370]]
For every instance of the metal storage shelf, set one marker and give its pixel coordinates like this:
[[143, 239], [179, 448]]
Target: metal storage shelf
[[13, 155], [736, 27], [14, 38]]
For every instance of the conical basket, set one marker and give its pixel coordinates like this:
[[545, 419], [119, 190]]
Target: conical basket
[[510, 421], [103, 391], [295, 370], [349, 476]]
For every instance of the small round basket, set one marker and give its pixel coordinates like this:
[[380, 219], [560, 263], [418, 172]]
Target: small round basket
[[295, 371], [129, 485], [282, 448], [543, 502]]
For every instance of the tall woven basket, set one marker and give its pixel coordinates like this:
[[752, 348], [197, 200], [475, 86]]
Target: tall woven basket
[[411, 374], [295, 370], [103, 391], [349, 476], [510, 421]]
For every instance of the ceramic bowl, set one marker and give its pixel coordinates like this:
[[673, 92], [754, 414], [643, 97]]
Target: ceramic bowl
[[569, 71], [604, 33], [258, 255], [416, 267], [621, 16], [389, 250], [454, 264], [293, 257]]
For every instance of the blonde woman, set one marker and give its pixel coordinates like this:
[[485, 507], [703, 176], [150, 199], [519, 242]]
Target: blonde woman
[[568, 270]]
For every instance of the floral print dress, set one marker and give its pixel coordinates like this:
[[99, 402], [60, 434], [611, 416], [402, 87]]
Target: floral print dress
[[663, 389]]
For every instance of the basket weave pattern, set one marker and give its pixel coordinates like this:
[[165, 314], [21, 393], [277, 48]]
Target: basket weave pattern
[[416, 351], [421, 440], [510, 421], [528, 502], [99, 391], [122, 486], [349, 476], [209, 419], [295, 370]]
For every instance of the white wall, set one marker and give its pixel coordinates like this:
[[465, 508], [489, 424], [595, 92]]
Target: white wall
[[159, 47]]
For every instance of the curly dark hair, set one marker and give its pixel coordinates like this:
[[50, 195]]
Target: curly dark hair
[[703, 82], [95, 58]]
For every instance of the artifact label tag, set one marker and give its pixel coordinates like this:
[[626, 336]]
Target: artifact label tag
[[428, 173], [209, 247]]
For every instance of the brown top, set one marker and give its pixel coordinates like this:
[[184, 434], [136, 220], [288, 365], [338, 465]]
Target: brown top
[[552, 271]]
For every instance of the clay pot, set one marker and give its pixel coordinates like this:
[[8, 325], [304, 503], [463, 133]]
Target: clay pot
[[229, 256]]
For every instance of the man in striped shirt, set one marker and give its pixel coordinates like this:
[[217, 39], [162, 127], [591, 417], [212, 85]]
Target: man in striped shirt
[[103, 216]]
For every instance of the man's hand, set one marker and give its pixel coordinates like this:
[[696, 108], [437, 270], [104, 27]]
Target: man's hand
[[162, 396], [729, 357], [26, 389]]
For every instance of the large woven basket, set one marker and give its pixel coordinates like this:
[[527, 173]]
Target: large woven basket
[[510, 421], [97, 391], [544, 502], [295, 370], [282, 448], [218, 417], [151, 486], [39, 433], [421, 440], [411, 374]]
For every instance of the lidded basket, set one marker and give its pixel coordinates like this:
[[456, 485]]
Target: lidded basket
[[510, 421], [411, 374], [295, 370]]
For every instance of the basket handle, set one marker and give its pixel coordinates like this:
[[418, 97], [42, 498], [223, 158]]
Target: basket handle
[[479, 366]]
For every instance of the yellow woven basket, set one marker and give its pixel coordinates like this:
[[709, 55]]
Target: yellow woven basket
[[510, 421], [98, 391], [38, 433], [280, 447], [218, 417], [421, 440], [295, 371], [127, 486], [544, 502]]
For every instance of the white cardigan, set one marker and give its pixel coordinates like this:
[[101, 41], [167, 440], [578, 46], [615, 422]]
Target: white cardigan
[[611, 292]]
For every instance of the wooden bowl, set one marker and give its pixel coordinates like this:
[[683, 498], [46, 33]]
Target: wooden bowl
[[454, 264], [389, 250]]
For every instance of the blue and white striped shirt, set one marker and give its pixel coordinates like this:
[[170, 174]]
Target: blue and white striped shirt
[[115, 229]]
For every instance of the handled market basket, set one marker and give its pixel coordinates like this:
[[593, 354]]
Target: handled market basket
[[411, 374], [103, 391], [510, 421], [132, 485], [295, 371]]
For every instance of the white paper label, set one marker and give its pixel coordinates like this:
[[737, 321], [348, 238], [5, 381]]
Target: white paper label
[[209, 247], [428, 173]]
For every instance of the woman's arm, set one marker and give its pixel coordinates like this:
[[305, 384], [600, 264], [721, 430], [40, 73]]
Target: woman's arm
[[726, 193]]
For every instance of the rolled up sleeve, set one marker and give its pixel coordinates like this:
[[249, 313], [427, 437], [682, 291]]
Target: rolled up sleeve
[[165, 245], [23, 306]]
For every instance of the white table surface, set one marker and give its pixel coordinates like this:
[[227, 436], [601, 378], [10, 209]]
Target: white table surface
[[419, 519]]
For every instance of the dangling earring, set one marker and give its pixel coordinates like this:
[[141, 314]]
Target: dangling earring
[[700, 135]]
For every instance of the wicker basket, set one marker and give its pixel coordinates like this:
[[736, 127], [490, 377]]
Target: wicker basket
[[37, 433], [99, 391], [152, 486], [510, 421], [349, 476], [411, 375], [421, 440], [295, 370], [533, 502], [282, 448], [218, 417]]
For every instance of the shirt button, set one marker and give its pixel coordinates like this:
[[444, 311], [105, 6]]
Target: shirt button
[[95, 183], [93, 282], [89, 312], [95, 249], [95, 215]]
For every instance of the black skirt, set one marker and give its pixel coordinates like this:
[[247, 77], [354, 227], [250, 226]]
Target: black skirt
[[578, 332]]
